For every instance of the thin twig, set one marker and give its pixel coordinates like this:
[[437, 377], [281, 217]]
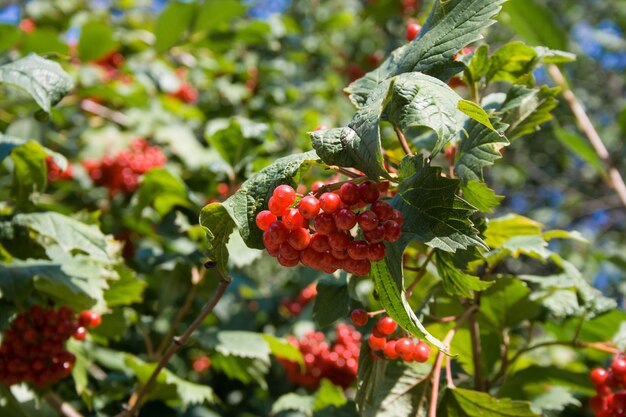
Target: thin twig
[[476, 352], [449, 379], [615, 179], [104, 112], [145, 334], [421, 271], [403, 141], [61, 407], [197, 277], [132, 407], [434, 396]]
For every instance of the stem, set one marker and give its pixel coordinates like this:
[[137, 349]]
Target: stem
[[132, 407], [104, 112], [476, 352], [196, 279], [347, 172], [615, 179], [434, 395], [403, 142], [61, 407]]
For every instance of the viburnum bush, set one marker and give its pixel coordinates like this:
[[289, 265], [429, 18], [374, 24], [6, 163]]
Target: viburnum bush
[[352, 256]]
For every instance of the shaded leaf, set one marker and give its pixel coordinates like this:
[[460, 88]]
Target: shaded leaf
[[173, 21], [332, 302], [580, 147], [218, 225], [96, 41], [525, 109], [293, 401], [479, 149], [162, 190], [283, 349], [475, 403], [534, 22], [456, 282], [507, 303]]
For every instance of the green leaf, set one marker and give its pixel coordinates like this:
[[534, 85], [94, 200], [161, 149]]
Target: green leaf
[[391, 388], [433, 213], [418, 100], [536, 378], [534, 22], [29, 170], [170, 388], [332, 302], [238, 343], [478, 66], [252, 197], [511, 62], [481, 196], [235, 139], [389, 285], [217, 12], [477, 113], [506, 304], [296, 402], [283, 349], [475, 403], [175, 19], [162, 190], [69, 234], [43, 79], [44, 41], [620, 337], [456, 282], [501, 229], [218, 225], [481, 148], [9, 36], [580, 147], [96, 41], [245, 370], [9, 405], [525, 109], [126, 290], [554, 56], [8, 143], [451, 25], [328, 395]]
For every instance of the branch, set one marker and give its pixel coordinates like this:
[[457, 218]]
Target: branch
[[91, 106], [476, 352], [61, 407], [132, 407], [403, 142], [434, 396], [615, 179]]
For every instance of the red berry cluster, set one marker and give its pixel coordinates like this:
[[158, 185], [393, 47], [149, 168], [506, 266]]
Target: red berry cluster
[[329, 245], [55, 173], [610, 398], [294, 307], [338, 363], [201, 364], [33, 348], [121, 172], [403, 348]]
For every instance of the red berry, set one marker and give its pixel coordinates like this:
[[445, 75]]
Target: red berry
[[597, 403], [277, 233], [619, 399], [412, 31], [309, 207], [368, 191], [80, 333], [368, 220], [329, 202], [288, 252], [299, 239], [599, 376], [404, 347], [397, 217], [359, 317], [362, 267], [421, 352], [324, 223], [292, 219], [375, 235], [275, 207], [357, 250], [317, 185], [285, 195], [319, 243], [390, 350], [392, 231], [264, 219], [386, 325], [349, 193], [376, 343], [619, 366], [339, 241], [345, 219], [311, 257], [376, 252], [287, 262], [383, 210]]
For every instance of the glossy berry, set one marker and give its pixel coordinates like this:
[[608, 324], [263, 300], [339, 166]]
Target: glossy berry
[[376, 251], [386, 325], [357, 250], [275, 207], [345, 219], [349, 193], [320, 243], [264, 219], [421, 352], [285, 195], [383, 210], [292, 219], [339, 241], [599, 376], [376, 343], [368, 220], [412, 31], [329, 202], [404, 347], [89, 319], [368, 191], [80, 333], [324, 223], [390, 349], [359, 317], [277, 232], [299, 238], [392, 231], [317, 185], [309, 207], [619, 366]]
